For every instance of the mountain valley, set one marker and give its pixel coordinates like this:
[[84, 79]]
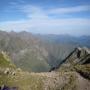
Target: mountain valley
[[30, 62]]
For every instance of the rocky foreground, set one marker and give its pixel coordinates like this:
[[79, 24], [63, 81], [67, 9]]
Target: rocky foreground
[[72, 74]]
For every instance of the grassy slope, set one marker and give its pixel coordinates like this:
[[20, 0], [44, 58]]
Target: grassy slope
[[45, 81], [22, 80], [5, 61], [39, 81]]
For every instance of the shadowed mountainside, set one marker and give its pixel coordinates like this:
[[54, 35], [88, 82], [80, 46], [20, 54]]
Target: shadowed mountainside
[[38, 53], [31, 53]]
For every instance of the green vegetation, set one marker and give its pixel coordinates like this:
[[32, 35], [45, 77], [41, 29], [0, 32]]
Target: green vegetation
[[22, 80], [17, 78], [5, 61]]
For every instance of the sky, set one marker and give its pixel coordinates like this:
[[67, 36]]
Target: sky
[[46, 16]]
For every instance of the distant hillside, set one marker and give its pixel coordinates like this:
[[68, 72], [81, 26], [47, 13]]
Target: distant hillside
[[67, 39], [31, 53]]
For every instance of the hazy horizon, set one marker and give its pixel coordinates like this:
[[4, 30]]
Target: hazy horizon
[[62, 17]]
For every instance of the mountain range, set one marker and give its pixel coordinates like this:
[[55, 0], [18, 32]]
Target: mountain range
[[39, 53]]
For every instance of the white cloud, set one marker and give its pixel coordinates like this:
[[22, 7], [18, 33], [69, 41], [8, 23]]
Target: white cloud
[[66, 10], [64, 24], [33, 12], [39, 21], [37, 12], [14, 3]]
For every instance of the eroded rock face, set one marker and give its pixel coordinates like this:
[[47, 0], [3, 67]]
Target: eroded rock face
[[79, 61], [83, 55], [79, 56]]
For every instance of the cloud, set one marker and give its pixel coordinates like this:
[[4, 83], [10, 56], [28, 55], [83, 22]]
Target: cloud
[[33, 12], [14, 3], [67, 10], [35, 25], [38, 21], [37, 12]]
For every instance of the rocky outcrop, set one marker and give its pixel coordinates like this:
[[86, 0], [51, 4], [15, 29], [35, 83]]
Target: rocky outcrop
[[79, 56], [79, 61]]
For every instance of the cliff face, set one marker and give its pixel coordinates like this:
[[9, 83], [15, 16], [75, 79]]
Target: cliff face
[[79, 56], [79, 61]]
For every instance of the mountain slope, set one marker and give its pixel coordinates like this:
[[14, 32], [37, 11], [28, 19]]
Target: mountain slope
[[32, 53], [5, 61], [16, 79], [38, 52], [24, 50]]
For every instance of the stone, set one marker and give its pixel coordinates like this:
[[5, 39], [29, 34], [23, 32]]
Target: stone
[[7, 71]]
